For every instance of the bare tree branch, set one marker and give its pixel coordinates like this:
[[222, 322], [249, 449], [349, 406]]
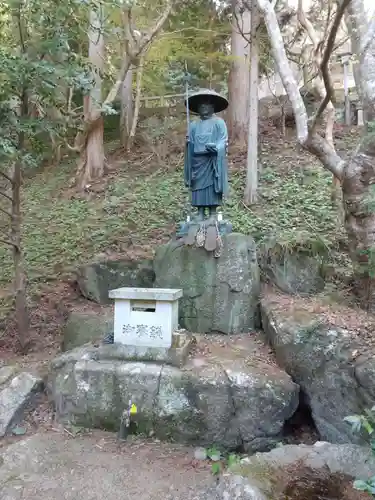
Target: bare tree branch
[[8, 242], [143, 42], [326, 57], [307, 25], [3, 174], [311, 141], [6, 212], [2, 193]]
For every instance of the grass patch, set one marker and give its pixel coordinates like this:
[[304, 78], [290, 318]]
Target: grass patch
[[293, 209]]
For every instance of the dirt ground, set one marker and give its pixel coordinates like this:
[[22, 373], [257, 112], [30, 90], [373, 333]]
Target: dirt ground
[[54, 466]]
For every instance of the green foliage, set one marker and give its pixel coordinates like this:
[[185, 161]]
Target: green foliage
[[295, 208], [37, 66], [197, 34], [358, 423], [220, 461]]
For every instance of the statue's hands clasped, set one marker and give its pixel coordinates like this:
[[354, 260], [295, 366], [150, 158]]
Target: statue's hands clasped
[[211, 147]]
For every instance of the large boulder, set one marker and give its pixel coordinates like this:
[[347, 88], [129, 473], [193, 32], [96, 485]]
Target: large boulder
[[228, 402], [82, 328], [296, 472], [220, 294], [293, 272], [336, 373], [18, 391], [95, 280]]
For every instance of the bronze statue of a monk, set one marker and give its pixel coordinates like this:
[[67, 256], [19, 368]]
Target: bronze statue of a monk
[[206, 168]]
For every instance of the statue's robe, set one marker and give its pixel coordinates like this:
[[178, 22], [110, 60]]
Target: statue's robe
[[206, 172]]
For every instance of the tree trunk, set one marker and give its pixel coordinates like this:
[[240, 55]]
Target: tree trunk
[[358, 198], [137, 106], [251, 188], [126, 107], [283, 120], [238, 84], [91, 163], [22, 316], [359, 171]]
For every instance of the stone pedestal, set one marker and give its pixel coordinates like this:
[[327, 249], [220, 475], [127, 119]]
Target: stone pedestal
[[219, 294], [216, 399]]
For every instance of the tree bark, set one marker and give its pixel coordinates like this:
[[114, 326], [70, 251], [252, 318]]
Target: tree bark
[[359, 173], [238, 83], [21, 309], [251, 187], [22, 315], [137, 106], [126, 117], [91, 163]]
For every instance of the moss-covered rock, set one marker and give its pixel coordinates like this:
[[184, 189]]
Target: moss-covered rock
[[205, 402], [81, 328], [328, 362], [220, 294], [96, 279]]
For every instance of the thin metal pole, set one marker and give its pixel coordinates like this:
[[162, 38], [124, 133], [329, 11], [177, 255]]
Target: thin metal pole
[[187, 76], [187, 102]]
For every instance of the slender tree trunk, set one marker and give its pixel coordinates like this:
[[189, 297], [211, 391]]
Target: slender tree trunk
[[137, 102], [22, 315], [283, 121], [251, 188], [238, 84], [91, 164], [126, 107]]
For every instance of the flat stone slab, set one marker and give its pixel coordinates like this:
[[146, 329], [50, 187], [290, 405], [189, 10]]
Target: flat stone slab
[[174, 356], [16, 393], [221, 395], [162, 294], [53, 466]]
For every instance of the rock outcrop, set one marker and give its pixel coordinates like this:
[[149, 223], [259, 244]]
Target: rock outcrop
[[96, 279], [220, 294], [17, 392], [228, 401], [82, 328], [334, 370], [296, 472], [292, 272]]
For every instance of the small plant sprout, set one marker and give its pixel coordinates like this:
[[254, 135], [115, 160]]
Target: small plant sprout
[[358, 423]]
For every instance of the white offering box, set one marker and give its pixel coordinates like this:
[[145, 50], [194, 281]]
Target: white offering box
[[145, 317]]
